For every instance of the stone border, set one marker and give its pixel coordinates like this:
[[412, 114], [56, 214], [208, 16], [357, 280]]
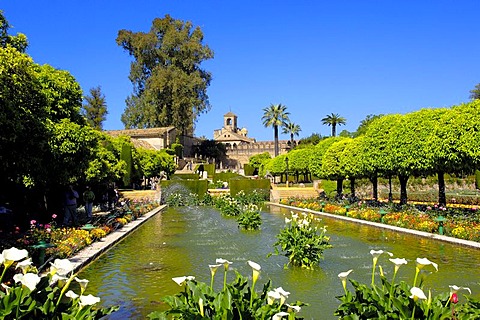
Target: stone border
[[461, 242], [96, 249]]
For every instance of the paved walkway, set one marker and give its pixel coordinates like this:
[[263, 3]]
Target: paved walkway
[[462, 242], [88, 254]]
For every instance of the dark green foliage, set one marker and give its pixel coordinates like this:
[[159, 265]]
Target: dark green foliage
[[95, 108], [477, 179], [184, 176], [257, 160], [170, 87], [226, 176], [177, 149], [126, 156], [261, 186], [248, 169], [211, 149]]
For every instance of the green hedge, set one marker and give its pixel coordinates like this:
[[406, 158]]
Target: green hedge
[[210, 168], [199, 187], [432, 197], [226, 176], [248, 169], [262, 186], [184, 176]]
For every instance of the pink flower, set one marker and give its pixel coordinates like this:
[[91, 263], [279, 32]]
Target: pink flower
[[429, 208], [48, 226], [454, 298], [54, 216], [49, 230], [32, 222]]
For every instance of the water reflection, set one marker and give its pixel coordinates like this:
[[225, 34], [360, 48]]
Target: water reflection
[[137, 273]]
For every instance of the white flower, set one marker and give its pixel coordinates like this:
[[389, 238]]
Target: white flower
[[88, 300], [256, 270], [181, 280], [398, 261], [24, 265], [29, 280], [377, 253], [83, 283], [417, 293], [295, 309], [61, 267], [225, 262], [280, 315], [454, 289], [213, 268], [344, 275], [272, 296], [422, 262], [283, 294], [9, 256], [254, 265], [71, 294], [287, 220]]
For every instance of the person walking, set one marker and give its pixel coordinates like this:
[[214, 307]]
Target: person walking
[[88, 197], [71, 197]]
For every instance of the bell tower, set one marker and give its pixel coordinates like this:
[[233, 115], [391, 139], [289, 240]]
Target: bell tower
[[230, 121]]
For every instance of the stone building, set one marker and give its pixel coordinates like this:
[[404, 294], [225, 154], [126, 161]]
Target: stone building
[[240, 147], [152, 138]]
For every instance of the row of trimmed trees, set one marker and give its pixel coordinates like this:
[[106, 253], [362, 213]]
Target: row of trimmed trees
[[422, 143]]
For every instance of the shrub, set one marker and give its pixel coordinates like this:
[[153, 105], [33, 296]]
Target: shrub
[[302, 243]]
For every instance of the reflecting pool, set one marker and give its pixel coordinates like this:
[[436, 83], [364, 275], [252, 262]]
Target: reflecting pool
[[137, 273]]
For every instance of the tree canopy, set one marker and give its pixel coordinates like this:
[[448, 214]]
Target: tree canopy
[[275, 116], [169, 85], [95, 108], [333, 120]]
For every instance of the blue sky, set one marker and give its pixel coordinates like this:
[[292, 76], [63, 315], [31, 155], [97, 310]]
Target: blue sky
[[353, 58]]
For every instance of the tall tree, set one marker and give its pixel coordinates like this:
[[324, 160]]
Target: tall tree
[[18, 41], [475, 93], [362, 128], [293, 130], [169, 87], [95, 108], [274, 116], [333, 120]]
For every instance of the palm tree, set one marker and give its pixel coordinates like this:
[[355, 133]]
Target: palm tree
[[292, 129], [332, 120], [274, 116]]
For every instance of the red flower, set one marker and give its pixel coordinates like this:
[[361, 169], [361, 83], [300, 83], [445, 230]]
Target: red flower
[[454, 298]]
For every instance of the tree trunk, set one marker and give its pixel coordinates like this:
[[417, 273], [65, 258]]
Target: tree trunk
[[403, 189], [390, 195], [352, 187], [374, 181], [275, 136], [442, 198], [339, 187], [334, 130]]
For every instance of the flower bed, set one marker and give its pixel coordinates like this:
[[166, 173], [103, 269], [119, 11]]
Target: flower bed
[[460, 222], [63, 242]]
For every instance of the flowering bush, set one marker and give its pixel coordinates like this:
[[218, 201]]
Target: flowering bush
[[250, 218], [237, 300], [391, 300], [29, 295], [302, 243], [97, 233]]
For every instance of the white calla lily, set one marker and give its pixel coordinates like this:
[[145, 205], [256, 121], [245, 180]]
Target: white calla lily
[[280, 315], [455, 289], [272, 296], [422, 262], [12, 255], [88, 300], [24, 265], [71, 294], [181, 280], [61, 267], [417, 293], [283, 295], [83, 284], [29, 280], [343, 276], [225, 262], [295, 309]]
